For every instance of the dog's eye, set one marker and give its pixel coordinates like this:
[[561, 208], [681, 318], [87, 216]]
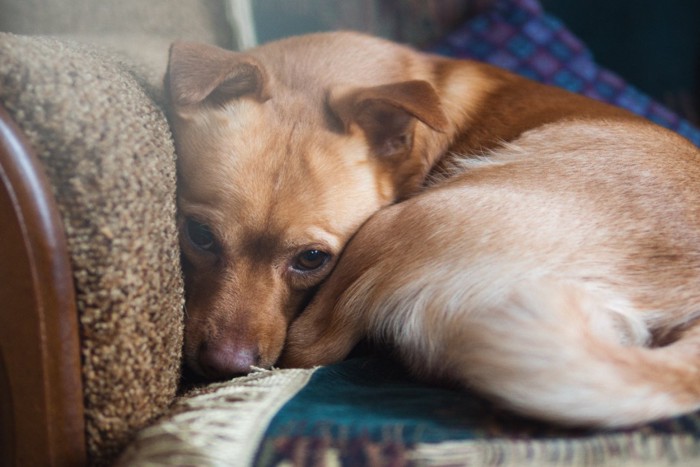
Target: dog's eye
[[200, 235], [310, 260]]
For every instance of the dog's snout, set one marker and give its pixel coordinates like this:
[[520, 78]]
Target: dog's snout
[[227, 359]]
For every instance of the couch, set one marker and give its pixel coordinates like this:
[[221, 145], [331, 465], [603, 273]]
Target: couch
[[92, 296]]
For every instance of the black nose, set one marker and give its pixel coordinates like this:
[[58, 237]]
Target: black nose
[[224, 360]]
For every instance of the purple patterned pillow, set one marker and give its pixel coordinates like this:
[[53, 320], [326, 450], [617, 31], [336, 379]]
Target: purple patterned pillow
[[519, 36]]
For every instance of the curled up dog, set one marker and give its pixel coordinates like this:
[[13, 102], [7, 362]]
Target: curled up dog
[[532, 244]]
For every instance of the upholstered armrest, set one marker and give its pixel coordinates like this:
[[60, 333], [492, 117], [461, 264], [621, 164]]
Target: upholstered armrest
[[90, 282]]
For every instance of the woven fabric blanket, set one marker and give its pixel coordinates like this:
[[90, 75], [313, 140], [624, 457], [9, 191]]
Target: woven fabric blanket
[[367, 411]]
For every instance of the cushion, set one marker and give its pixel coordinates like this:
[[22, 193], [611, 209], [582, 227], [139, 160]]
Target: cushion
[[519, 36], [140, 32], [108, 153], [197, 20]]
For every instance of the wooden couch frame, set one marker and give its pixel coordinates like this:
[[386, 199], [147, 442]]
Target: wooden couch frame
[[41, 398]]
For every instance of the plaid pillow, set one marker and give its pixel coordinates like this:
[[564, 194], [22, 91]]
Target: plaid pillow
[[519, 36]]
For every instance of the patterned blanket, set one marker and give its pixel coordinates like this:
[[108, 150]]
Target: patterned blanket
[[367, 411]]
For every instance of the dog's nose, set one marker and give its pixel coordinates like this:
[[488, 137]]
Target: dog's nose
[[227, 359]]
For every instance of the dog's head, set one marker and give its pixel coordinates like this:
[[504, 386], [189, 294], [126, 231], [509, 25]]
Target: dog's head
[[273, 181]]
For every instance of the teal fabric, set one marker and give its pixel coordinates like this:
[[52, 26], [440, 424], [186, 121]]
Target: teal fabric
[[375, 398], [370, 405]]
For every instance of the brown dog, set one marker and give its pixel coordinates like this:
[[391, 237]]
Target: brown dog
[[548, 242]]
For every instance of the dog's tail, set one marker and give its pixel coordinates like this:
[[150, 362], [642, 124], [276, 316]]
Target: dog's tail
[[550, 351], [552, 354]]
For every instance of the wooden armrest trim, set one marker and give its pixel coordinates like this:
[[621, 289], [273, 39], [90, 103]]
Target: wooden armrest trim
[[41, 397]]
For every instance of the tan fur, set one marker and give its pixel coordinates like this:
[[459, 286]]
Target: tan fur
[[537, 276], [545, 252]]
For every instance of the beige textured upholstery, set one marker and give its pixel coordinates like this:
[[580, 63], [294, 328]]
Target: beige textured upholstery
[[107, 150]]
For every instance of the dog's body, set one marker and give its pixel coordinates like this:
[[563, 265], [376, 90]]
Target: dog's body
[[544, 242]]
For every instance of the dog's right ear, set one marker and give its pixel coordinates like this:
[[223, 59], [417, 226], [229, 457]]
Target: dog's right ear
[[387, 113], [200, 73]]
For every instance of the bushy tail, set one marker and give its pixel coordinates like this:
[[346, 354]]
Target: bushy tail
[[555, 353]]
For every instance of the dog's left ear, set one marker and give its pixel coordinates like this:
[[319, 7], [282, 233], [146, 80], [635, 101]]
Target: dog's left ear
[[388, 113], [202, 73]]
